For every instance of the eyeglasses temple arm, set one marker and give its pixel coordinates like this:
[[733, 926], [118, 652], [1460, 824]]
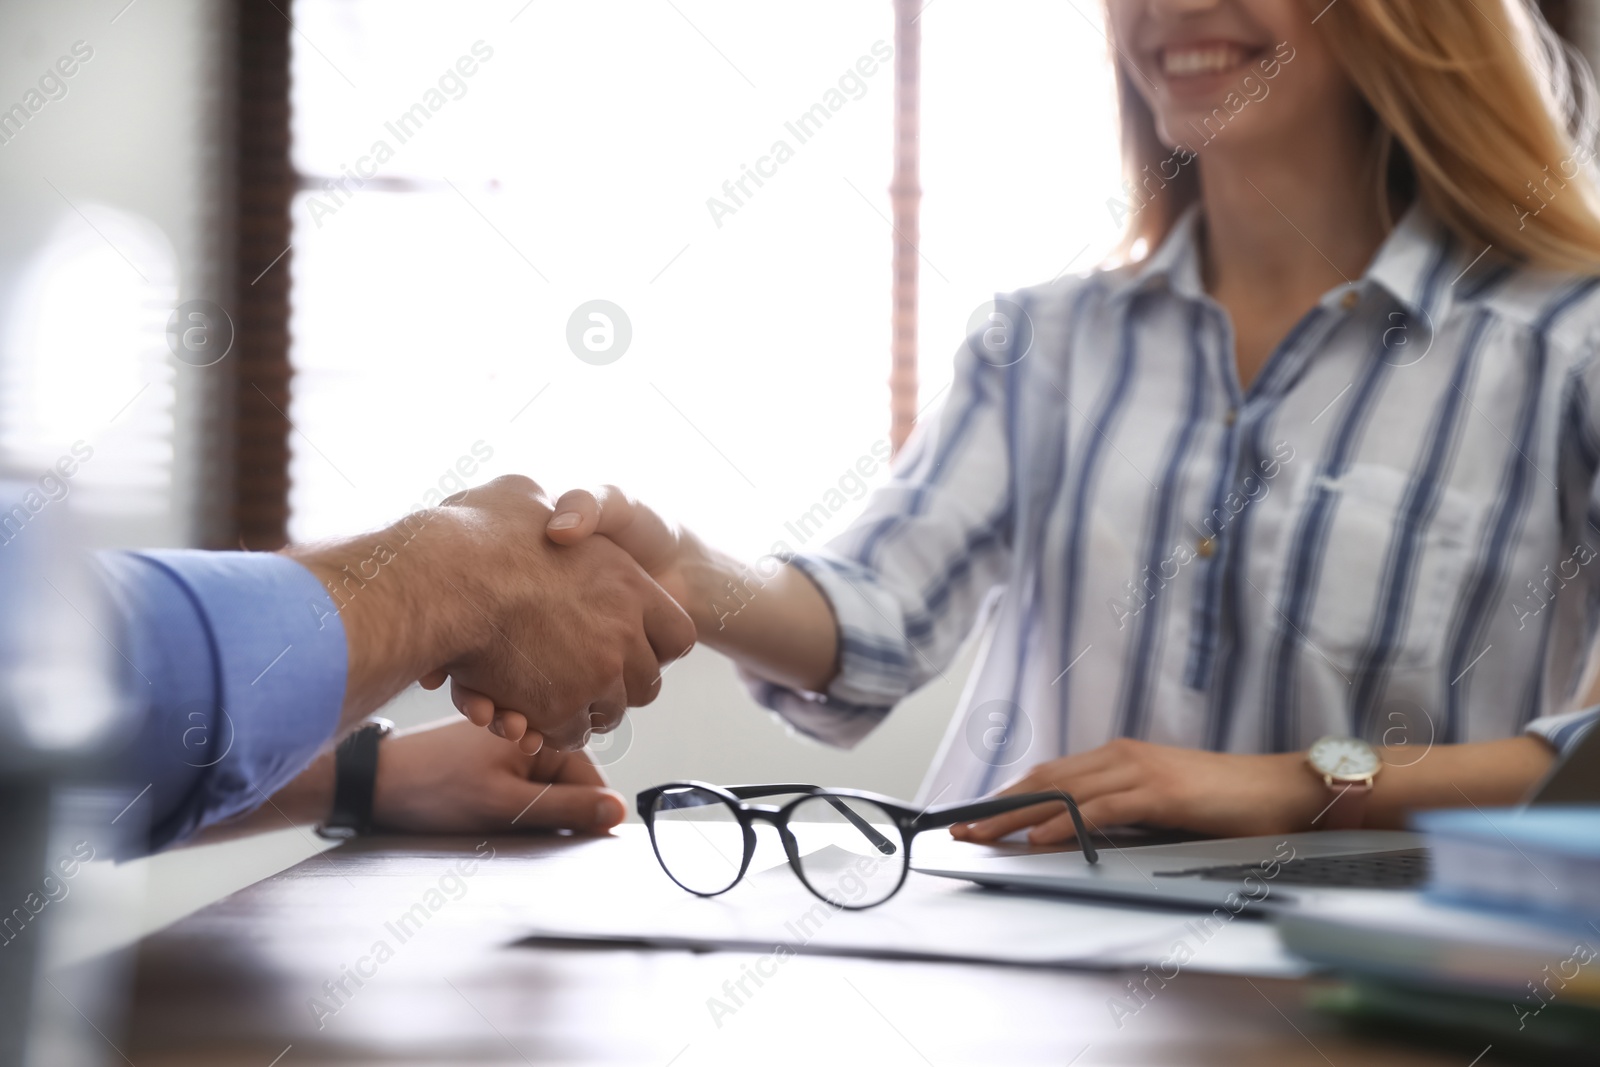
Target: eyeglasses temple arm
[[879, 842], [983, 809]]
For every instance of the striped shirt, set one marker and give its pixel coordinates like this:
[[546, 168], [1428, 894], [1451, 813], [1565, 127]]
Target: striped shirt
[[1391, 533]]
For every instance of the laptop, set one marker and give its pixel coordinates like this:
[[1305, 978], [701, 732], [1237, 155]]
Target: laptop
[[1259, 873]]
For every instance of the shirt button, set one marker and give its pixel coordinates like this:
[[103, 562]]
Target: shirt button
[[1350, 300], [1231, 417], [1206, 547]]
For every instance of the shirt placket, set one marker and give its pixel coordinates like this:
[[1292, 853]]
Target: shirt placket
[[1241, 451]]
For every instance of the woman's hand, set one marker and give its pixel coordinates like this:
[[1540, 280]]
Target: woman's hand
[[450, 777], [1227, 795], [1128, 781], [667, 552], [767, 616]]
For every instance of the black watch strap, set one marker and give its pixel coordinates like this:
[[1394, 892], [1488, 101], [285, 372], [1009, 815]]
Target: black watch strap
[[355, 773]]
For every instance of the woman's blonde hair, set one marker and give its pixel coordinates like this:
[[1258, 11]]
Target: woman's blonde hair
[[1479, 109]]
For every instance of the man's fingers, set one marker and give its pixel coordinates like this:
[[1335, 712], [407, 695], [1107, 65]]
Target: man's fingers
[[641, 674], [667, 626], [578, 769], [562, 806], [571, 732], [433, 679], [604, 716]]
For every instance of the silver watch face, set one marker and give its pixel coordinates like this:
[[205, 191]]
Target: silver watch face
[[1344, 758]]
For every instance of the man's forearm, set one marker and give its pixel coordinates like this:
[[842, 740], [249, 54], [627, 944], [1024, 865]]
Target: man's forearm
[[402, 604], [568, 637]]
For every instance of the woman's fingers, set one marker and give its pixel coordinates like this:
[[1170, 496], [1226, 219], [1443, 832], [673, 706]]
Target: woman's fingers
[[1052, 774], [1110, 809], [531, 743], [998, 826], [576, 516], [1108, 780], [579, 513], [511, 725], [502, 722], [477, 708], [1054, 830], [1115, 808]]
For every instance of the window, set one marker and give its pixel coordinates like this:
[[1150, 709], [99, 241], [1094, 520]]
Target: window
[[1020, 161], [477, 175], [86, 374]]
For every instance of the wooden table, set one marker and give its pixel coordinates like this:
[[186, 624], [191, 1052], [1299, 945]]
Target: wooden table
[[234, 984]]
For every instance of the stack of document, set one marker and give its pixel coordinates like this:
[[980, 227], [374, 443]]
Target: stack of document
[[1503, 946], [1537, 860]]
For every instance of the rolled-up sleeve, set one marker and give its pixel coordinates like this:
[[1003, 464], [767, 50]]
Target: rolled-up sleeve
[[235, 664], [1564, 731], [908, 579]]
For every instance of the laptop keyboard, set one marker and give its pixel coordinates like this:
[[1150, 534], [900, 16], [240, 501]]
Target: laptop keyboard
[[1402, 869]]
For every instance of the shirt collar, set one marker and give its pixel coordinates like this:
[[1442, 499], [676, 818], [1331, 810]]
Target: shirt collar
[[1175, 263], [1414, 264]]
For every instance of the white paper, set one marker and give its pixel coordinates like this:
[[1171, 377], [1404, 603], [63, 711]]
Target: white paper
[[929, 919]]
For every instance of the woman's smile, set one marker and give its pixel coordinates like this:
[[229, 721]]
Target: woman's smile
[[1197, 69]]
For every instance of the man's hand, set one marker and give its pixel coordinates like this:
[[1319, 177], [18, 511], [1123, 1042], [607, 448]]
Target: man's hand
[[448, 777], [567, 637], [453, 778]]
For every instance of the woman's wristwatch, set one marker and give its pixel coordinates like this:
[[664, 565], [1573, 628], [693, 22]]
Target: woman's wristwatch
[[1347, 766], [355, 774]]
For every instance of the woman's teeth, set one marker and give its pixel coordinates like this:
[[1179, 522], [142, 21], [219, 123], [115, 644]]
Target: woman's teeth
[[1211, 59]]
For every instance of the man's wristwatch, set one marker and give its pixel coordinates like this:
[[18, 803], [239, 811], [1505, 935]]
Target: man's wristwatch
[[355, 773], [1347, 766]]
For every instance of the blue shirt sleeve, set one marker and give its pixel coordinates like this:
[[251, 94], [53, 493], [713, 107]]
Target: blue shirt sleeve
[[235, 664]]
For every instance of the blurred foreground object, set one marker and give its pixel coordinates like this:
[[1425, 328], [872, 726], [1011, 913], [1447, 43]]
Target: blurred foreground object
[[58, 712], [1503, 947]]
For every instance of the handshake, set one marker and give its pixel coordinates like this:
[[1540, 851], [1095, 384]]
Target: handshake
[[546, 632]]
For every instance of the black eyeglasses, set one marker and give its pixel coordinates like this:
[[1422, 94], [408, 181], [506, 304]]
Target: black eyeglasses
[[850, 848]]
